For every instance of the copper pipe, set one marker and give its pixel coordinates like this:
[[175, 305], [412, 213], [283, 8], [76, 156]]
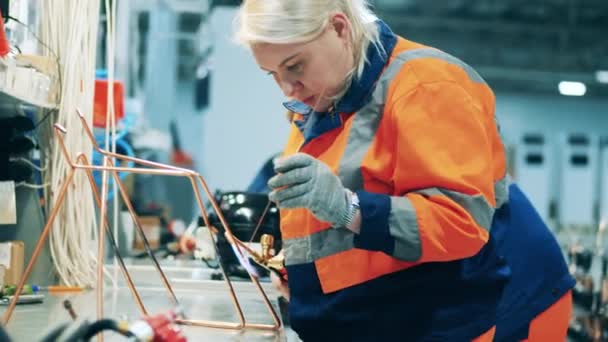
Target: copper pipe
[[233, 297], [59, 129], [259, 326], [82, 158], [201, 207], [166, 170], [144, 162], [273, 313], [174, 168], [186, 172], [100, 243], [224, 325], [179, 172], [142, 235], [45, 233], [59, 132], [242, 244], [262, 217], [210, 324], [192, 175], [140, 231]]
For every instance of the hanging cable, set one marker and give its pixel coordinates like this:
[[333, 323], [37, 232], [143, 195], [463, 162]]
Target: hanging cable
[[32, 186], [74, 234], [32, 165]]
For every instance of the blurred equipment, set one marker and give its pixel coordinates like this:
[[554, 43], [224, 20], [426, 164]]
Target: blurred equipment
[[243, 211], [12, 258], [8, 211], [13, 146], [590, 296], [23, 299], [100, 108], [580, 266], [178, 156], [604, 177], [158, 328], [5, 47]]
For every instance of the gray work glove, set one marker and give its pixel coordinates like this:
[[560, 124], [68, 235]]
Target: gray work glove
[[305, 182]]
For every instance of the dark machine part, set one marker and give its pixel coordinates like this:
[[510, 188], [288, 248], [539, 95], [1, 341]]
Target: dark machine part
[[242, 211], [590, 323], [14, 143], [581, 258], [587, 328], [584, 293]]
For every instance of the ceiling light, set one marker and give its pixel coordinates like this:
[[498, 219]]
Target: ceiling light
[[602, 76], [572, 88]]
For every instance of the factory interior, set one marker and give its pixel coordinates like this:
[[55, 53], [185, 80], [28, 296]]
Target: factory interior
[[164, 178]]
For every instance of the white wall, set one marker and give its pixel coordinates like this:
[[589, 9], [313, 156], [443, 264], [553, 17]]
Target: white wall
[[553, 116], [550, 114], [245, 123]]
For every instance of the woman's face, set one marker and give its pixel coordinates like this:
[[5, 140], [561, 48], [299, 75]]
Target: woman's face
[[314, 71]]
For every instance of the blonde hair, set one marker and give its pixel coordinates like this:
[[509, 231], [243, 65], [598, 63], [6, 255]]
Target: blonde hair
[[297, 21]]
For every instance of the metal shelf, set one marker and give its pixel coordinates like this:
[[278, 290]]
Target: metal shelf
[[10, 100]]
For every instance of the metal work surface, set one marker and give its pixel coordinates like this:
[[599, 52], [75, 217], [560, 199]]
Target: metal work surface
[[199, 298]]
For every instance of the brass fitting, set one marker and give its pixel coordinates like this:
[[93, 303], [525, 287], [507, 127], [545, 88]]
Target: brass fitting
[[267, 242], [274, 262]]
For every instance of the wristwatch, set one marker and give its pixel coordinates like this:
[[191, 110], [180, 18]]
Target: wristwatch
[[352, 209]]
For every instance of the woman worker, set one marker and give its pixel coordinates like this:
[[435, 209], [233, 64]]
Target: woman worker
[[390, 182]]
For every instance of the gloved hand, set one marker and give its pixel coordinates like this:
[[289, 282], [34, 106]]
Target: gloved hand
[[305, 182]]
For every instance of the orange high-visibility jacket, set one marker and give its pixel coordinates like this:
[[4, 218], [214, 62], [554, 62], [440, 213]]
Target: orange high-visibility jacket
[[425, 157], [434, 148]]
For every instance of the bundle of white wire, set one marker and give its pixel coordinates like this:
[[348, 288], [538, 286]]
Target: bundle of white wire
[[70, 28]]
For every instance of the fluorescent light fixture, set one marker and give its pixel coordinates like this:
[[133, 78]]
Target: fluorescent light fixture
[[602, 76], [572, 88]]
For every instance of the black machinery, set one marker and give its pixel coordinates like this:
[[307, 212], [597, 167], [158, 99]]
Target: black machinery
[[243, 211]]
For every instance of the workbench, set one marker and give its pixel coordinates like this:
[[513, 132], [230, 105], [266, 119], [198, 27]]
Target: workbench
[[199, 297]]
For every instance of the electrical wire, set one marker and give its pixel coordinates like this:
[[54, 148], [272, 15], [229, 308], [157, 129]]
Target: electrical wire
[[33, 186], [105, 325], [209, 265], [32, 165]]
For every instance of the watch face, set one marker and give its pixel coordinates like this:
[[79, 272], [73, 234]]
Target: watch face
[[355, 200]]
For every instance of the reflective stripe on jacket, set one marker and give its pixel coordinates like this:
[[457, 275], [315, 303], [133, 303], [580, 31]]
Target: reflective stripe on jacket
[[428, 139], [417, 140]]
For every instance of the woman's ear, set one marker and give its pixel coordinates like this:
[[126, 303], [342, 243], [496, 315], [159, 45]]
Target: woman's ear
[[340, 24]]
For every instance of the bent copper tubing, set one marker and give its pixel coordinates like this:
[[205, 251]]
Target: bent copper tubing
[[83, 159], [169, 170], [109, 167]]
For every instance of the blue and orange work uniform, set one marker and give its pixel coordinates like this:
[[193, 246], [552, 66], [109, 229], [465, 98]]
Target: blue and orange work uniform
[[537, 302], [415, 137]]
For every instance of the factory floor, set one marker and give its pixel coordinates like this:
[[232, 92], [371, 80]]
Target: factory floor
[[199, 297]]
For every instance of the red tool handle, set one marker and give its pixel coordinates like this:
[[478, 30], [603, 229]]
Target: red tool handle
[[5, 47]]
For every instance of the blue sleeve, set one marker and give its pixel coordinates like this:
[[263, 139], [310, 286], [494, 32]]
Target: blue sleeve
[[375, 233], [260, 182]]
